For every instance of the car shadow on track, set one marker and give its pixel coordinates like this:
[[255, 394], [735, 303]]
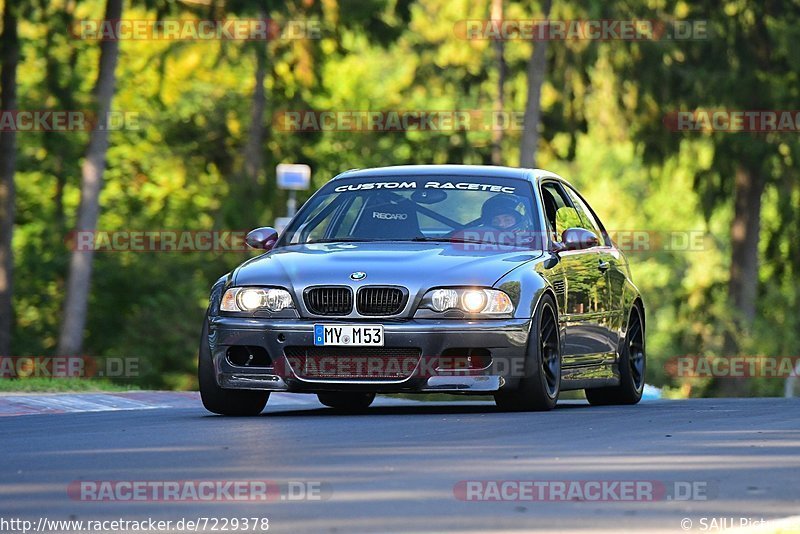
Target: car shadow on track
[[411, 409]]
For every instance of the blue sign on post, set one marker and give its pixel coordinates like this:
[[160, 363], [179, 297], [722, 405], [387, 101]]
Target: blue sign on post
[[294, 176]]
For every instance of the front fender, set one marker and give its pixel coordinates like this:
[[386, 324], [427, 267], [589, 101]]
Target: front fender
[[526, 285], [215, 296]]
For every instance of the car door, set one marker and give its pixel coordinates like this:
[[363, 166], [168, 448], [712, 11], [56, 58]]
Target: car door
[[584, 305], [609, 264]]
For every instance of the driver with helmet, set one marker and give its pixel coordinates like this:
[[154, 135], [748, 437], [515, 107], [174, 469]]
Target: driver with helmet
[[500, 212]]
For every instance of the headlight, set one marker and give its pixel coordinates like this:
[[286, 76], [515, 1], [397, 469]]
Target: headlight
[[249, 299], [444, 299], [470, 300], [473, 300]]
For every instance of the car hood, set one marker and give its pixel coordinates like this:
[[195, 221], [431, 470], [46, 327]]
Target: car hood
[[416, 266]]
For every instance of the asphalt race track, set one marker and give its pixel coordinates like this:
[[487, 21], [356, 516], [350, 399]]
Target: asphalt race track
[[403, 465]]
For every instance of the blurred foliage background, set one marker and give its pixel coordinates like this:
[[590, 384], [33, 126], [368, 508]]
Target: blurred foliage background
[[192, 163]]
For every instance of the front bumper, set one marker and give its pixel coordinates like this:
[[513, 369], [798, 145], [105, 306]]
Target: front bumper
[[506, 340]]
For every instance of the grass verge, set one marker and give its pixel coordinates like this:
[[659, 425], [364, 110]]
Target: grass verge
[[59, 385]]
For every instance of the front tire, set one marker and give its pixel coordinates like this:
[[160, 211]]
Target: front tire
[[632, 366], [237, 402], [538, 390], [347, 402]]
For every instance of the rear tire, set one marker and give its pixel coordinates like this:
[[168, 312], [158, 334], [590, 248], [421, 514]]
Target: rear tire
[[237, 402], [538, 390], [347, 402], [632, 366]]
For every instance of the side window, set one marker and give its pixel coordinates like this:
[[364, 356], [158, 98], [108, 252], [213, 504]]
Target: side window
[[558, 210], [589, 222]]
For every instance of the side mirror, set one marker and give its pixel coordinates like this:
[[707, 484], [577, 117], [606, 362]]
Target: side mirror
[[578, 239], [262, 238]]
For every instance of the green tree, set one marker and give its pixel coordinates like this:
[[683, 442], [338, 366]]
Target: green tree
[[9, 52], [746, 63], [80, 268]]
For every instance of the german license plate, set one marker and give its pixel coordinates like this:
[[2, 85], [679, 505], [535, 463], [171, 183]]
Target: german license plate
[[348, 335]]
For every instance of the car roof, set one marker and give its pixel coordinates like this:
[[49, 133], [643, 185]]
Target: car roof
[[451, 170]]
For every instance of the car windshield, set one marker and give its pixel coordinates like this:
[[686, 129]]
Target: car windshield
[[409, 208]]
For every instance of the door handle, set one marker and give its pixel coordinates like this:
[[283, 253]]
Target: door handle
[[603, 266]]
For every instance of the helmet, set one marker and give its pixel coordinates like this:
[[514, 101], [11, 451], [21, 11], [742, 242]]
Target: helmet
[[500, 205]]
